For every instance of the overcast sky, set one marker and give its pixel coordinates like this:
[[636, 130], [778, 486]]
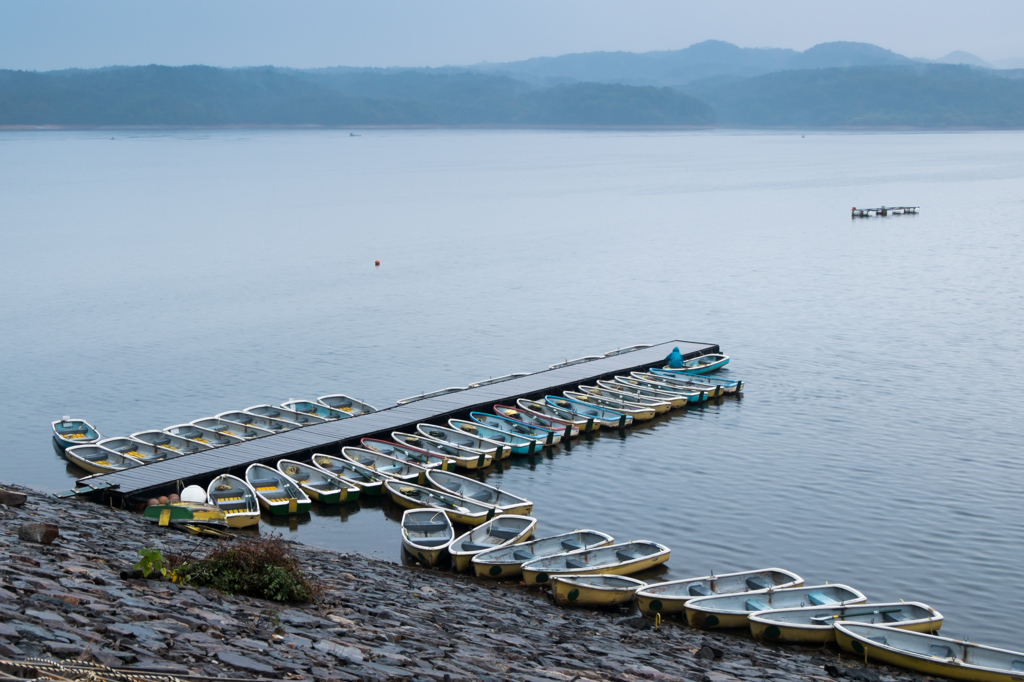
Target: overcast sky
[[54, 34]]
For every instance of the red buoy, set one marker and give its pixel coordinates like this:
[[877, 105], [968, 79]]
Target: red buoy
[[376, 262]]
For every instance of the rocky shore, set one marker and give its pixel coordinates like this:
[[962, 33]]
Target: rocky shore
[[376, 620]]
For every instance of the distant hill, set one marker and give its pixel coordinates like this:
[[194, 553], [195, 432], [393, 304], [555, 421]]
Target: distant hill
[[961, 57], [202, 95]]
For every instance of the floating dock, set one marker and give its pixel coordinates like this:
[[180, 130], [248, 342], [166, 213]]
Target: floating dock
[[136, 485], [882, 211]]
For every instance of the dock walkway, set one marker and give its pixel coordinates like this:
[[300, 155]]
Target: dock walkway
[[141, 483]]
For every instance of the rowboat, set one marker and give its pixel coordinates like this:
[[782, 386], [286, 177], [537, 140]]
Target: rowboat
[[481, 492], [143, 453], [458, 508], [676, 400], [931, 655], [176, 445], [565, 428], [594, 590], [426, 534], [460, 438], [346, 404], [704, 363], [684, 378], [514, 427], [462, 456], [315, 409], [630, 400], [97, 460], [632, 408], [191, 513], [575, 361], [242, 431], [498, 380], [507, 562], [277, 493], [68, 432], [236, 499], [514, 445], [283, 414], [500, 531], [432, 394], [263, 423], [671, 597], [317, 483], [389, 467], [541, 408], [213, 439], [731, 610], [814, 625], [601, 416], [369, 482], [621, 559], [627, 349], [408, 453], [694, 393]]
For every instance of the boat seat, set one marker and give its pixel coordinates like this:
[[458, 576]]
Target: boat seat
[[322, 486], [454, 487], [233, 506], [500, 439], [366, 462], [698, 590], [1018, 666], [429, 527], [304, 476], [470, 546], [464, 441], [880, 639], [430, 542], [757, 583], [894, 617], [257, 482], [390, 469], [226, 496], [523, 555], [481, 496], [571, 545], [756, 605], [504, 533], [819, 599], [626, 556], [574, 563], [940, 651]]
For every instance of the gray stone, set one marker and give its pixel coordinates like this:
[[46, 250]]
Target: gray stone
[[243, 662], [12, 498], [41, 533], [47, 617], [339, 651]]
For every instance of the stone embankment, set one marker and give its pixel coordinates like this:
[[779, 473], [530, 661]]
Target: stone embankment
[[67, 600]]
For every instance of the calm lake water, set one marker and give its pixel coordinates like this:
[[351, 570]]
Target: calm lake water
[[160, 277]]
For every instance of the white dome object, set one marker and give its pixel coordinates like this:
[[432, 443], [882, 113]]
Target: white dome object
[[193, 493]]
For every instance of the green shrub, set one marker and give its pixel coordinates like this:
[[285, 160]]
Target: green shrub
[[257, 568]]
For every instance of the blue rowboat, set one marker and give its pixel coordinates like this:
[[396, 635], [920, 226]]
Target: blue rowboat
[[727, 385], [447, 434], [602, 415], [634, 410], [514, 427], [696, 391], [703, 364], [565, 427], [136, 450], [68, 432], [518, 444]]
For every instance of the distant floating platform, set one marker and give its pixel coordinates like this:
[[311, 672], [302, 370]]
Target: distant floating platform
[[883, 211]]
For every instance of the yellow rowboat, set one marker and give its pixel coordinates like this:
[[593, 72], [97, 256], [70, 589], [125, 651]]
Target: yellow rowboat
[[408, 453], [458, 509], [461, 456], [814, 625], [446, 434], [929, 654], [671, 597], [621, 559], [317, 483], [634, 410], [369, 482], [500, 531], [629, 399], [594, 590], [426, 534], [481, 492], [732, 610], [277, 493], [343, 403], [675, 400], [213, 439], [386, 466], [191, 513], [284, 414], [144, 453], [507, 562], [694, 394], [236, 499], [566, 430], [174, 445], [97, 460], [565, 416], [240, 431]]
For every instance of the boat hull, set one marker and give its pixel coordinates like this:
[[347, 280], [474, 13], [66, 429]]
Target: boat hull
[[242, 519], [284, 508], [797, 634], [568, 593], [428, 556], [543, 577], [453, 515]]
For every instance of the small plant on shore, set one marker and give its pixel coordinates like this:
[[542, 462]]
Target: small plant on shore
[[151, 560], [260, 568]]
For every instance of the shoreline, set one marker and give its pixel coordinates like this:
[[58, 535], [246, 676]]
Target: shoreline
[[487, 126], [376, 619]]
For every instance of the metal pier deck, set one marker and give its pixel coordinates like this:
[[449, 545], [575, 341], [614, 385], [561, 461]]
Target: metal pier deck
[[140, 483]]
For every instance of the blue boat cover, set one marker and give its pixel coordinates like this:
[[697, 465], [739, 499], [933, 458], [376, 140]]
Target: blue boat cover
[[675, 359]]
